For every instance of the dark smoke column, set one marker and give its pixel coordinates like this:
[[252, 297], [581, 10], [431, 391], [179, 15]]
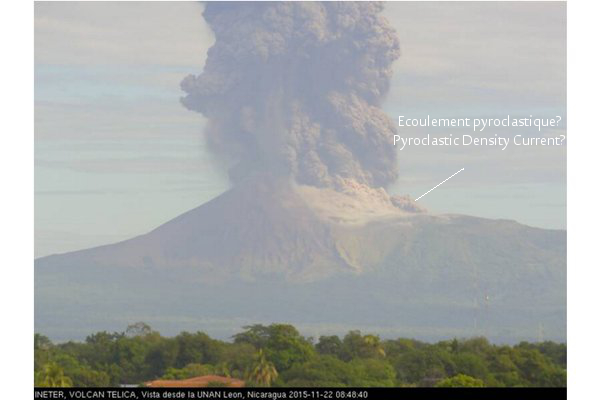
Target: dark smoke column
[[295, 88]]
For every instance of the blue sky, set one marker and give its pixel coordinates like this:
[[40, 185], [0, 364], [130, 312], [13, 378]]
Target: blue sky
[[116, 154]]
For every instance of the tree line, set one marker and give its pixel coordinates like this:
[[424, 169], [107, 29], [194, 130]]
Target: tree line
[[278, 355]]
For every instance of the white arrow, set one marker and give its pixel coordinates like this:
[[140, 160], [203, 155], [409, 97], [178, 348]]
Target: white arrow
[[462, 169]]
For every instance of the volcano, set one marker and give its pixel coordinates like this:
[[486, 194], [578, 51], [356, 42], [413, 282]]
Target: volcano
[[320, 258], [292, 95]]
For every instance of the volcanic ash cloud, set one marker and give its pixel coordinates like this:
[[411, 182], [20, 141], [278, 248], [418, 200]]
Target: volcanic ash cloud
[[294, 89]]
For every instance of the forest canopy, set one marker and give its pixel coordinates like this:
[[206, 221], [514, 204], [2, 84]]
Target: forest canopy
[[278, 355]]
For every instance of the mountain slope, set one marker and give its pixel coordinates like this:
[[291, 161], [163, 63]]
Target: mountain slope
[[261, 253]]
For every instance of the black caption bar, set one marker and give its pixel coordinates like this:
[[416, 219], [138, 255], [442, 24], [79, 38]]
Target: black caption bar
[[301, 393]]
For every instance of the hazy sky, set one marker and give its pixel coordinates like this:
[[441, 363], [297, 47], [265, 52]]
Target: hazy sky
[[116, 154]]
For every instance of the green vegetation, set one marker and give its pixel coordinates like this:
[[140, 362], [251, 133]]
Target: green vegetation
[[460, 380], [277, 355]]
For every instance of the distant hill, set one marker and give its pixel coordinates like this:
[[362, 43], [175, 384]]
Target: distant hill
[[324, 260]]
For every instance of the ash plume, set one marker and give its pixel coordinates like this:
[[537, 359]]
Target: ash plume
[[294, 88]]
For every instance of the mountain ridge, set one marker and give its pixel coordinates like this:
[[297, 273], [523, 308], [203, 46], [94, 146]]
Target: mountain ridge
[[262, 243]]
